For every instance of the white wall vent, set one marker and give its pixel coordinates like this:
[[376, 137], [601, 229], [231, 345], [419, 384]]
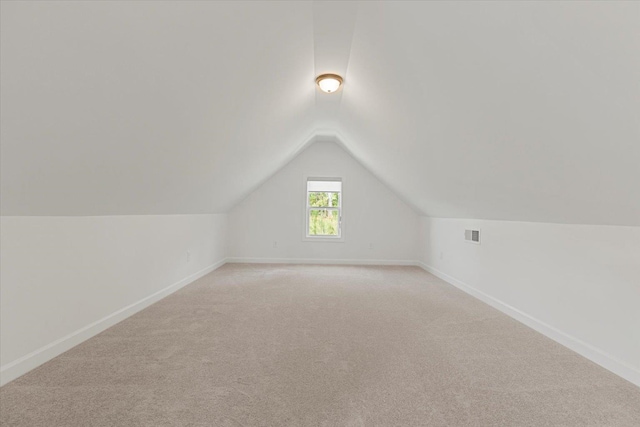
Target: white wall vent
[[472, 236]]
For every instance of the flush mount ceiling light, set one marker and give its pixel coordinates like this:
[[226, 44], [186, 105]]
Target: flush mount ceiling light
[[329, 83]]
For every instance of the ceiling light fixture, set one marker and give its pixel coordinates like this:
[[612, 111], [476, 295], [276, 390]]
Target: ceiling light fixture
[[329, 83]]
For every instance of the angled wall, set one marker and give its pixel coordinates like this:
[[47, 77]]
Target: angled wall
[[578, 284], [65, 279], [269, 225]]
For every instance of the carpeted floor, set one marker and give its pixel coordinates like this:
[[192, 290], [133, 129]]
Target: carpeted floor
[[272, 345]]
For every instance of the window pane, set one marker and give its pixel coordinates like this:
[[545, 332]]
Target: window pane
[[323, 222], [324, 199]]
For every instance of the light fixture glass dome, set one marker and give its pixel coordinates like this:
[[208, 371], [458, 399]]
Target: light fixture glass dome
[[329, 83]]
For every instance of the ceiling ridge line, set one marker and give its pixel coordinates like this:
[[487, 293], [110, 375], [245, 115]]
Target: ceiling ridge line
[[346, 69], [313, 36]]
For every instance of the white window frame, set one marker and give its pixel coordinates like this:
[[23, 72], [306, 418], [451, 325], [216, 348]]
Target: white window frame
[[311, 238]]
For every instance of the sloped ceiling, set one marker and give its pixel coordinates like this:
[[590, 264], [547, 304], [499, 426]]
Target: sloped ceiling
[[497, 110], [149, 107]]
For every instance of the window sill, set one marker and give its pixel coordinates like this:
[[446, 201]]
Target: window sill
[[324, 239]]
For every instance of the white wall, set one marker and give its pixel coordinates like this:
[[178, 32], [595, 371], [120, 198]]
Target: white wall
[[64, 279], [579, 284], [269, 225]]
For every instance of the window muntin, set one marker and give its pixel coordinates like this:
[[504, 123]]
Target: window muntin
[[324, 208]]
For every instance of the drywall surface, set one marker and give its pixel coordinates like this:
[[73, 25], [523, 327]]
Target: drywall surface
[[502, 110], [270, 223], [580, 284], [114, 108], [505, 110], [66, 278]]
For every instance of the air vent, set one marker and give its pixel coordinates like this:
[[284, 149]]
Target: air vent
[[472, 236]]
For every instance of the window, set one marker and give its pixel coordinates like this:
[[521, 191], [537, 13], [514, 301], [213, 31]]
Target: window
[[324, 208]]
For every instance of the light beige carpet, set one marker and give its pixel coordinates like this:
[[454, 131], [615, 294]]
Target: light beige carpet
[[268, 345]]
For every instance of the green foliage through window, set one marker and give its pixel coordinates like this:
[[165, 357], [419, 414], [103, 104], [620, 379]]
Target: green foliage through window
[[324, 206], [323, 222], [323, 199]]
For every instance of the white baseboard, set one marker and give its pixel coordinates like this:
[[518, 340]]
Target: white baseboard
[[21, 366], [242, 260], [36, 358], [596, 355]]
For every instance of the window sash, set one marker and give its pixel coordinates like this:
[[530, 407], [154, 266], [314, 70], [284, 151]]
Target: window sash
[[338, 209], [339, 193], [316, 208]]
